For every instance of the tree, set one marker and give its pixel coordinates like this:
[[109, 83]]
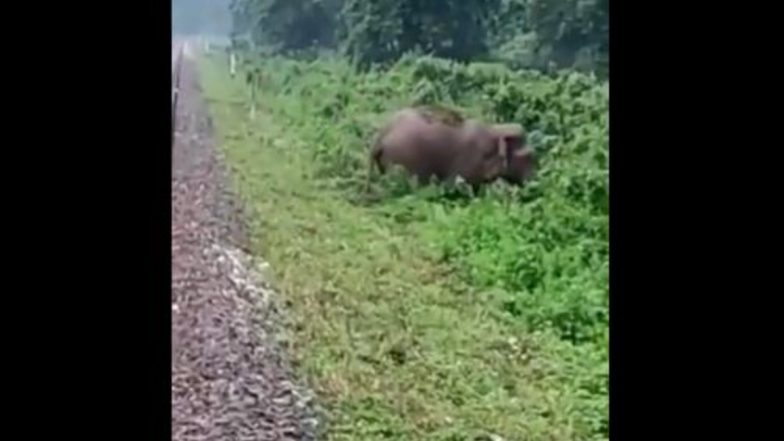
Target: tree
[[382, 30], [522, 33], [565, 28], [287, 25]]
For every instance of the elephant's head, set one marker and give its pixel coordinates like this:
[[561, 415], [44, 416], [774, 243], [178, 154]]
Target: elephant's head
[[517, 158]]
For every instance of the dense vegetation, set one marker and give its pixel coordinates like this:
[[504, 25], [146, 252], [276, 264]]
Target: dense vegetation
[[522, 33], [545, 245], [423, 314]]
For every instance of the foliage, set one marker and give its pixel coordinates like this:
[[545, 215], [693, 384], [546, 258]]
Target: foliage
[[552, 246], [428, 267], [521, 33], [568, 29], [287, 25], [383, 30]]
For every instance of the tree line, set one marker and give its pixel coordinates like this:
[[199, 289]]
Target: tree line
[[540, 34]]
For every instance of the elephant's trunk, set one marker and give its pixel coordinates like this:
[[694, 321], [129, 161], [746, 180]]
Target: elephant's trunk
[[374, 159]]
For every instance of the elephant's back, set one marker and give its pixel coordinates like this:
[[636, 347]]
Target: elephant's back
[[420, 146]]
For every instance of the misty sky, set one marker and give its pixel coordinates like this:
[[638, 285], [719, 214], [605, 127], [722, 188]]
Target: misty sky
[[201, 17]]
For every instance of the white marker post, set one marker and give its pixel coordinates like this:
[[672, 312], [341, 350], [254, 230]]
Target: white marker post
[[253, 84]]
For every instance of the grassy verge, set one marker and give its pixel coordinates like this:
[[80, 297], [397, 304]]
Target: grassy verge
[[402, 335]]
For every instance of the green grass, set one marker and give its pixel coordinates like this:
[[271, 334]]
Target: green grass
[[424, 317]]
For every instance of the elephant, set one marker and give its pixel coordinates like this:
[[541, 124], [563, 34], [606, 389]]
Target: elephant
[[435, 113], [435, 143]]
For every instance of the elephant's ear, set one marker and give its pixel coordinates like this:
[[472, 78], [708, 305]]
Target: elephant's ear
[[502, 147], [511, 137]]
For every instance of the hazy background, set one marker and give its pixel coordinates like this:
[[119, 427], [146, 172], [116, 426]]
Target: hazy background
[[201, 17]]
